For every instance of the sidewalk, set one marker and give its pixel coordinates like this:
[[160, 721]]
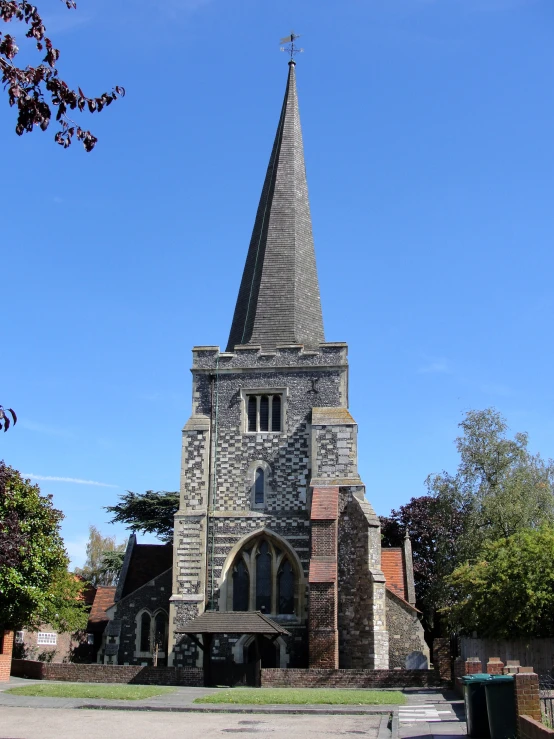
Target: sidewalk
[[429, 714], [182, 700]]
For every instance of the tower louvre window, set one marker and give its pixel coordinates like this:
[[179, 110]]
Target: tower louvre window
[[252, 413], [276, 413], [264, 412]]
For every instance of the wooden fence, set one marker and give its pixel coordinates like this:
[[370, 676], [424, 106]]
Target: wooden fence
[[535, 653]]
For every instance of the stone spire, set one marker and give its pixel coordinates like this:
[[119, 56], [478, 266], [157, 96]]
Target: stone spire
[[278, 300]]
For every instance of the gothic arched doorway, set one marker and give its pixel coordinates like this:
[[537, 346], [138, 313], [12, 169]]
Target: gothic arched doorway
[[268, 651]]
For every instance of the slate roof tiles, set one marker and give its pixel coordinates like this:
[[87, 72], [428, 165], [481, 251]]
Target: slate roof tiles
[[278, 301]]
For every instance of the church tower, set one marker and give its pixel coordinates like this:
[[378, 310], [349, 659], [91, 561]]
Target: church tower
[[272, 515]]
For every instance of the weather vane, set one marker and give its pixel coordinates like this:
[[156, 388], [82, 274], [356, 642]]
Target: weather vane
[[290, 47]]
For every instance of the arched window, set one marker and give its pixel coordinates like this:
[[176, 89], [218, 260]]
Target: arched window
[[241, 587], [285, 588], [262, 578], [145, 623], [259, 487], [161, 629]]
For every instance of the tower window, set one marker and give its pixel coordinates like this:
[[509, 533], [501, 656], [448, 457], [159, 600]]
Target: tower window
[[276, 413], [259, 487], [264, 412], [252, 413]]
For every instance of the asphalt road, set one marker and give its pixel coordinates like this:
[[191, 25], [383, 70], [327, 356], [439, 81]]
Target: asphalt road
[[62, 723]]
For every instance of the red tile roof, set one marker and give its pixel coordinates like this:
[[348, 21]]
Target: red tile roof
[[325, 504], [322, 571], [147, 562], [104, 599], [392, 564]]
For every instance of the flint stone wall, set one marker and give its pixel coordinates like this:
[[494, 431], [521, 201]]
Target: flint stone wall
[[406, 633], [308, 379]]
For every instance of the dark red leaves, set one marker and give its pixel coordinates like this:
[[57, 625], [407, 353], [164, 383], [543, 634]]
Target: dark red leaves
[[28, 87], [4, 418]]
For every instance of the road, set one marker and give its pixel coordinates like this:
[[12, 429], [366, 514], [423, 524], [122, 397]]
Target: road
[[62, 723]]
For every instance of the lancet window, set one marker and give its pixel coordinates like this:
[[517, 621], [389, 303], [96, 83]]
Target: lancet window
[[153, 632]]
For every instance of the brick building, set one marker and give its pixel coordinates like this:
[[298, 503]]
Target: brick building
[[273, 515]]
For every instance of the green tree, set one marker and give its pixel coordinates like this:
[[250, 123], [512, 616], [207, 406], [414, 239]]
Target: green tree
[[500, 487], [508, 592], [35, 585], [148, 513], [104, 559]]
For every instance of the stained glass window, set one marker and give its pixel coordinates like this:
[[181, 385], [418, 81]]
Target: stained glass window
[[263, 579], [241, 587], [145, 632], [285, 586], [259, 486]]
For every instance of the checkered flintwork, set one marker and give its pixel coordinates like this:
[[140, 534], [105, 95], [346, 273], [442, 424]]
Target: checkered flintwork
[[219, 462], [313, 499]]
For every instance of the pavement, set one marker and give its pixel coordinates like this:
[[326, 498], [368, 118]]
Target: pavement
[[427, 714], [430, 714]]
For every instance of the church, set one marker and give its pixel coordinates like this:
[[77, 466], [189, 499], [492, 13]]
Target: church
[[273, 516]]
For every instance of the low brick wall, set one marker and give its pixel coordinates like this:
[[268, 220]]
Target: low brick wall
[[316, 678], [5, 661], [531, 729], [133, 674]]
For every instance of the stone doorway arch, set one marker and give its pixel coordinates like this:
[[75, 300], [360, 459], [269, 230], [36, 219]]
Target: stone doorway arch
[[245, 644]]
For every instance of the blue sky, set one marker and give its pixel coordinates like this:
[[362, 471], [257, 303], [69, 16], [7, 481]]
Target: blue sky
[[428, 130]]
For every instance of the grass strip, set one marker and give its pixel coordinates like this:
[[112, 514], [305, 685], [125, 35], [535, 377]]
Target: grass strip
[[305, 696], [116, 692]]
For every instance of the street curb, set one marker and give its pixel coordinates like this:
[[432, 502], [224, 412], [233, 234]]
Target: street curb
[[317, 711], [384, 731], [394, 725]]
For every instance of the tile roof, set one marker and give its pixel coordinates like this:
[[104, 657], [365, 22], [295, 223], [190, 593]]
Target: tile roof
[[147, 562], [232, 622], [278, 301], [392, 564], [332, 417], [322, 571], [325, 504], [103, 600]]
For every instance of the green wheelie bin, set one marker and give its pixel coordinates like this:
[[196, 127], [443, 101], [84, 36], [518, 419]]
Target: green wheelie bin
[[501, 706], [476, 705]]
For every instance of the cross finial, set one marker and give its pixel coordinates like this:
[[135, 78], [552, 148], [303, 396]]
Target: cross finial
[[290, 47]]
